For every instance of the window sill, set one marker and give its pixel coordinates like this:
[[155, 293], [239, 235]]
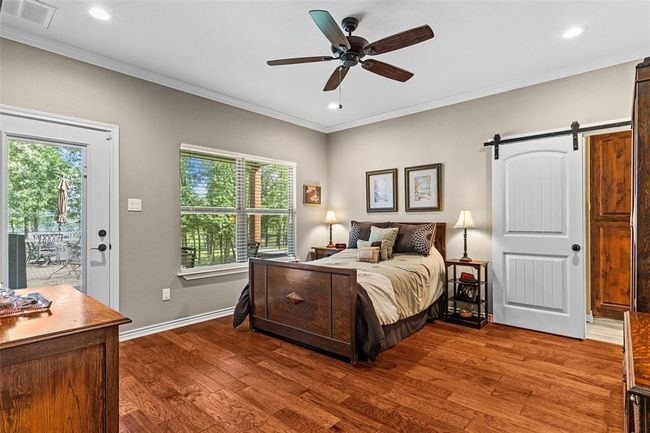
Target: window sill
[[217, 271]]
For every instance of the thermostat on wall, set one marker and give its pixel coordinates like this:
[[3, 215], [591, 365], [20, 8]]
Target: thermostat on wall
[[135, 205]]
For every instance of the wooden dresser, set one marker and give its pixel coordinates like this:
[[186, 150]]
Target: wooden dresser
[[59, 370], [636, 372]]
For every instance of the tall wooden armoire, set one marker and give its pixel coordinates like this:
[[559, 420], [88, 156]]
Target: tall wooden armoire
[[641, 208]]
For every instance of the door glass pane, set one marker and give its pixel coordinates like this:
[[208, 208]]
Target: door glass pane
[[45, 214]]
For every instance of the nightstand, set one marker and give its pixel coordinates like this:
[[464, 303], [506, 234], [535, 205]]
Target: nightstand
[[321, 252], [467, 295]]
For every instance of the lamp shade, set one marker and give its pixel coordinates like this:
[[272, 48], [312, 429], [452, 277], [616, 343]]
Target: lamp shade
[[465, 220], [330, 217]]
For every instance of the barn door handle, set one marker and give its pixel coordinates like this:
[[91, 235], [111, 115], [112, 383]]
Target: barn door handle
[[575, 247]]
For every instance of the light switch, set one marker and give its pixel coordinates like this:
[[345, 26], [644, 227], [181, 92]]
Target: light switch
[[135, 205]]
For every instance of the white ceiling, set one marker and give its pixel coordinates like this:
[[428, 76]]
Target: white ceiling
[[218, 49]]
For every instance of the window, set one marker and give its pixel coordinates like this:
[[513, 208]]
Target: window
[[234, 207]]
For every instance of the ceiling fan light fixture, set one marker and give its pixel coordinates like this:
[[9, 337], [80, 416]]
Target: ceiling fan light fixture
[[573, 32], [334, 106]]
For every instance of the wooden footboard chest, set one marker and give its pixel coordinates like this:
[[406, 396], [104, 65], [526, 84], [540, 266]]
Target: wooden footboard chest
[[309, 304]]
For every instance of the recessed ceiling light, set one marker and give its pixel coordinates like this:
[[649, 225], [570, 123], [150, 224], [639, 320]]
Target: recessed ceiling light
[[333, 106], [573, 32], [99, 13]]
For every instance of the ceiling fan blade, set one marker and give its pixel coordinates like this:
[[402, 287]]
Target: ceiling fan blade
[[399, 40], [330, 29], [299, 60], [386, 70], [335, 79]]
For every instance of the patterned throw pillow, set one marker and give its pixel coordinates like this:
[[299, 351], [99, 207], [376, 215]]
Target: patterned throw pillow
[[368, 254], [367, 245], [414, 238], [387, 237], [361, 230]]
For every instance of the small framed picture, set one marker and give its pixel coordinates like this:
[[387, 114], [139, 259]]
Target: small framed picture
[[381, 190], [423, 188], [467, 292], [311, 195]]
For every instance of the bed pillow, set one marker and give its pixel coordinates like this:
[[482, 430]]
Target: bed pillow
[[361, 230], [368, 254], [414, 238], [387, 238], [380, 245]]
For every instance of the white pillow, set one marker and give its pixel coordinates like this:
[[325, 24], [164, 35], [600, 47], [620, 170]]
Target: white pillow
[[389, 235]]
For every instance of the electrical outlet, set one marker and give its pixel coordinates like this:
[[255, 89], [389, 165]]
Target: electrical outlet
[[166, 294]]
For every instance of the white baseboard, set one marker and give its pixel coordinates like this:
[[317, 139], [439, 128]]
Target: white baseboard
[[177, 323], [589, 318]]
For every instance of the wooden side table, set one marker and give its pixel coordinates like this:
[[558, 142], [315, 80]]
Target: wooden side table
[[322, 252], [457, 292]]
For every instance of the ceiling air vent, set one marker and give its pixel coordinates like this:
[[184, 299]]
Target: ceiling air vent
[[34, 11]]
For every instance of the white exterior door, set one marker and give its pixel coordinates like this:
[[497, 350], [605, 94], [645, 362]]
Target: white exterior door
[[538, 236], [77, 252]]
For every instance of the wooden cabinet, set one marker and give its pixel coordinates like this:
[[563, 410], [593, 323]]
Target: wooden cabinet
[[641, 207], [636, 372], [59, 370]]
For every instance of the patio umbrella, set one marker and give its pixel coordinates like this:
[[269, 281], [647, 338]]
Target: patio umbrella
[[62, 202]]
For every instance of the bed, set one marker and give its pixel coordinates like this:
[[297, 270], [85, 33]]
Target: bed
[[344, 307]]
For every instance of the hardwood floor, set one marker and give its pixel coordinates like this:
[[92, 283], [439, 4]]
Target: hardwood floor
[[211, 378]]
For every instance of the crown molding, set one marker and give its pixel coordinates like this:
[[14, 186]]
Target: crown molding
[[134, 71], [86, 56], [578, 68]]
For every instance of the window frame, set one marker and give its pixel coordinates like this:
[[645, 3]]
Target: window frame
[[241, 210]]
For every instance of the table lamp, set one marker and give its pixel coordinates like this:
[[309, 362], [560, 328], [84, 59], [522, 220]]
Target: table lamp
[[465, 221], [330, 218]]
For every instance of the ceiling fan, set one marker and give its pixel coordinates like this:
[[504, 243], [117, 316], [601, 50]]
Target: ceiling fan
[[351, 50]]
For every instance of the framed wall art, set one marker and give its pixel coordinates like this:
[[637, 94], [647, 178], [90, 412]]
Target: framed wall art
[[381, 190], [311, 195], [423, 188]]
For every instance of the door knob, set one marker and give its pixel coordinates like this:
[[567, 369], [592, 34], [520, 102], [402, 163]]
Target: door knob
[[575, 247], [100, 247]]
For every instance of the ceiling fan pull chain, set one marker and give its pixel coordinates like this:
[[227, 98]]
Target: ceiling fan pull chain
[[340, 88]]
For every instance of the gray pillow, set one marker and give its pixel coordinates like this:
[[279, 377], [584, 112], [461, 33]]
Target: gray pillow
[[415, 238], [381, 234], [361, 230]]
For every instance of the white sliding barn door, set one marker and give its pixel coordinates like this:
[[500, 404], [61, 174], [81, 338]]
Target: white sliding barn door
[[538, 236]]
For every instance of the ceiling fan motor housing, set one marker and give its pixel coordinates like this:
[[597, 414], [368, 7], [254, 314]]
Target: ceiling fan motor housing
[[352, 56]]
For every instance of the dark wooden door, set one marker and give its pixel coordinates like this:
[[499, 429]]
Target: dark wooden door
[[611, 204]]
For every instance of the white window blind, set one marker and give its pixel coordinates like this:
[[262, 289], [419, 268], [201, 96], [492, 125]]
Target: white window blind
[[234, 207]]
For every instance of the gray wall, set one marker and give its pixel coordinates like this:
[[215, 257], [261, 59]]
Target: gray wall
[[454, 135], [153, 120]]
